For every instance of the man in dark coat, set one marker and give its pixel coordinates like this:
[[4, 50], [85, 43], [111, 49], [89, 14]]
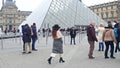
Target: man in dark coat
[[23, 37], [34, 36], [72, 35], [91, 39]]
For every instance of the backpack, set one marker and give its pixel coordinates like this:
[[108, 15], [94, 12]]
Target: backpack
[[118, 32]]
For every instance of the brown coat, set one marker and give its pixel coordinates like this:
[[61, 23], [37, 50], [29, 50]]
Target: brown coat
[[108, 35], [91, 34]]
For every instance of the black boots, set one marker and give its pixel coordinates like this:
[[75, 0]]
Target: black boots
[[49, 60], [61, 60]]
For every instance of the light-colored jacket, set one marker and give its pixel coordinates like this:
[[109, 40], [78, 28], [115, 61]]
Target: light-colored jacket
[[100, 31], [59, 34], [108, 35]]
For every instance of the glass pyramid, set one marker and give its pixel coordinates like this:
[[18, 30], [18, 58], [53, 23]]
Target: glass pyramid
[[66, 13]]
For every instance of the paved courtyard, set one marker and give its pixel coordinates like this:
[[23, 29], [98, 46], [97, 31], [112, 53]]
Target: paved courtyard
[[75, 55]]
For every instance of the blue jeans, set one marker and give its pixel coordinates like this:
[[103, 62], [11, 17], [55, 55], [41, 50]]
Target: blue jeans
[[101, 46], [33, 43]]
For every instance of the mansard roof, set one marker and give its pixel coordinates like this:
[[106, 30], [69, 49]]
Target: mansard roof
[[10, 3]]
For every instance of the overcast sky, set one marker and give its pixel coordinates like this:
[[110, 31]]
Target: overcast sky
[[30, 5]]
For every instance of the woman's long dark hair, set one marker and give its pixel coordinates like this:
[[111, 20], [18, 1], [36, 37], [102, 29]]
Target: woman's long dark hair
[[54, 33]]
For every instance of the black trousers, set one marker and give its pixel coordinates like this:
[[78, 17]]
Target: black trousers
[[72, 39], [117, 48], [107, 44]]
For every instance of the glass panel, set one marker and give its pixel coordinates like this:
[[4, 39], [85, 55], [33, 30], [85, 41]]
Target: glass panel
[[66, 13]]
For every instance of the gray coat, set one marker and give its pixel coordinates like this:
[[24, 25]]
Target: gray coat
[[58, 46]]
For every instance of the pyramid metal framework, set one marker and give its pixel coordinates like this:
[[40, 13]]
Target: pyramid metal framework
[[66, 13]]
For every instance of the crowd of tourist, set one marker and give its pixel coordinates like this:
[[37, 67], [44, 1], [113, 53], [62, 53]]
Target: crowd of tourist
[[106, 36]]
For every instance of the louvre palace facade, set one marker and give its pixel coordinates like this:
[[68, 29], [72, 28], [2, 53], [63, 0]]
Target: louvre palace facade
[[10, 16], [108, 11]]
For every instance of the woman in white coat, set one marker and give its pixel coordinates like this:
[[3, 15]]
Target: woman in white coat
[[100, 35]]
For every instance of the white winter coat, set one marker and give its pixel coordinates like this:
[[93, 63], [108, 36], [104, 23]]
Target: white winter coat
[[100, 31]]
